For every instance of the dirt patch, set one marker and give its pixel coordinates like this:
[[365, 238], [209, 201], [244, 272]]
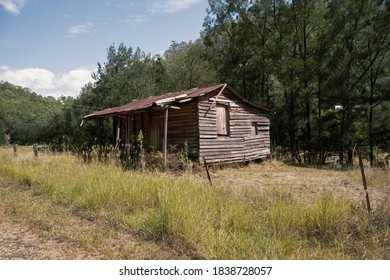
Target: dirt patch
[[33, 229], [19, 242]]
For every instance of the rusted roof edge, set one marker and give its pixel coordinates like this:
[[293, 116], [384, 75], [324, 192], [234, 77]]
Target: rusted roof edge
[[168, 96]]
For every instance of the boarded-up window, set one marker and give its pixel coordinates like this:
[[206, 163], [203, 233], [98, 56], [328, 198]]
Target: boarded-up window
[[222, 119], [255, 130], [263, 128]]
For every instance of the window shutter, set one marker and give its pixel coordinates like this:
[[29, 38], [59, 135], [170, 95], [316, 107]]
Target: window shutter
[[222, 120]]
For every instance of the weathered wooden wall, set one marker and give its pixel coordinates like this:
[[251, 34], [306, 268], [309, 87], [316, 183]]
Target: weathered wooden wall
[[182, 126], [244, 137], [132, 124], [242, 142]]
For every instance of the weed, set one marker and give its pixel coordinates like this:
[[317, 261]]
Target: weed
[[269, 215]]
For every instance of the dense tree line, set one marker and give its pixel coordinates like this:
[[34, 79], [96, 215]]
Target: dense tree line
[[25, 116], [322, 66], [128, 74]]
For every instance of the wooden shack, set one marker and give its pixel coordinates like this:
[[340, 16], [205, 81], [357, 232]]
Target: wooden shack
[[214, 122]]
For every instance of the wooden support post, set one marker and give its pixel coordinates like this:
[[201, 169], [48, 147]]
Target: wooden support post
[[35, 149], [15, 150], [364, 183], [99, 139], [128, 139], [118, 134], [165, 135], [207, 170], [219, 93]]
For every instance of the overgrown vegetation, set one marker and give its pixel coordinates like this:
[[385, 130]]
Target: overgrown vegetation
[[266, 215], [25, 117], [321, 66]]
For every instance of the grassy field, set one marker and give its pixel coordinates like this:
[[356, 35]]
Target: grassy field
[[261, 211]]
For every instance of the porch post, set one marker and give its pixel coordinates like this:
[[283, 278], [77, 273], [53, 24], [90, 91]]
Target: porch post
[[100, 148], [128, 137], [165, 134], [118, 134]]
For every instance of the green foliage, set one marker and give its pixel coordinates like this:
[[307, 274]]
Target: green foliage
[[301, 58], [127, 75], [25, 115], [185, 66]]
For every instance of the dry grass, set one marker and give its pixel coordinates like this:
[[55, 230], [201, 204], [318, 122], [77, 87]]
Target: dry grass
[[262, 211], [307, 182]]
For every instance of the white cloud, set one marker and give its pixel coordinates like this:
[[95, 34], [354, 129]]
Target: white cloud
[[137, 19], [173, 6], [45, 82], [85, 28], [37, 77], [13, 6]]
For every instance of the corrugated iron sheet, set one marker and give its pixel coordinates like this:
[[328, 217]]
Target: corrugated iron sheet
[[154, 101]]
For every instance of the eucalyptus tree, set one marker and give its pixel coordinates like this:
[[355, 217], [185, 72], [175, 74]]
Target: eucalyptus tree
[[185, 66], [126, 75]]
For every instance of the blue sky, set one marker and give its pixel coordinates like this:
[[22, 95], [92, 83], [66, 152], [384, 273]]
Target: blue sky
[[52, 47]]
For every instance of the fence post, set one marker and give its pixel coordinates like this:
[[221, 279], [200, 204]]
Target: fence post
[[364, 182], [207, 170], [35, 149], [15, 150]]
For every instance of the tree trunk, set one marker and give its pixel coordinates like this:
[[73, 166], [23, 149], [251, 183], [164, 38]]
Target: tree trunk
[[320, 148], [341, 136], [291, 125], [370, 119]]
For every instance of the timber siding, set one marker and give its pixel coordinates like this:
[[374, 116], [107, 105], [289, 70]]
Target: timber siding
[[183, 126], [215, 122], [248, 130]]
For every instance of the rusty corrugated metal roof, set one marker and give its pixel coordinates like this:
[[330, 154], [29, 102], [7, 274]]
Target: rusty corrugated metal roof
[[158, 100]]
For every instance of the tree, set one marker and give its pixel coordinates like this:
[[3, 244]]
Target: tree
[[185, 66], [25, 115], [302, 58]]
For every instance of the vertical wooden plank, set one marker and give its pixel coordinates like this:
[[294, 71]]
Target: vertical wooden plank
[[222, 120], [35, 149], [127, 129], [254, 129], [165, 134], [207, 170], [118, 134], [114, 120], [364, 183], [219, 93], [142, 123], [15, 150], [100, 139], [128, 135], [155, 132], [134, 125]]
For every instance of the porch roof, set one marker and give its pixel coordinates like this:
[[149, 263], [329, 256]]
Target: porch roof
[[165, 99]]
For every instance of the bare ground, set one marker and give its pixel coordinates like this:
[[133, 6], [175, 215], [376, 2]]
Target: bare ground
[[43, 236], [19, 242]]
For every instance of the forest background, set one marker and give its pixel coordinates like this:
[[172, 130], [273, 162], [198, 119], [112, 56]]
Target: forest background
[[322, 67]]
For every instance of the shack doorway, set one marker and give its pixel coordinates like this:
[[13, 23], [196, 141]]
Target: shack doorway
[[155, 132]]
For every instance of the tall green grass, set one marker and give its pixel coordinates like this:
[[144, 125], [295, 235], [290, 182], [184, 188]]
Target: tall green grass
[[199, 220]]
